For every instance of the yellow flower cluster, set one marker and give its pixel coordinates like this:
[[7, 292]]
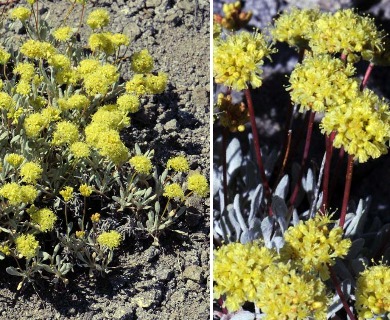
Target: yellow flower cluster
[[173, 190], [59, 61], [14, 159], [107, 42], [198, 184], [179, 164], [44, 218], [362, 125], [98, 18], [37, 49], [346, 32], [234, 18], [20, 13], [63, 34], [238, 60], [95, 217], [6, 101], [110, 117], [4, 56], [100, 79], [372, 292], [31, 172], [142, 62], [239, 270], [111, 239], [80, 149], [76, 101], [142, 84], [233, 116], [65, 133], [67, 193], [128, 103], [312, 246], [4, 249], [321, 82], [27, 245], [141, 164], [85, 190], [284, 293], [17, 194], [294, 27]]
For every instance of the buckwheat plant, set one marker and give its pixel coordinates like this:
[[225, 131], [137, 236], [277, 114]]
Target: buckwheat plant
[[62, 157], [285, 246]]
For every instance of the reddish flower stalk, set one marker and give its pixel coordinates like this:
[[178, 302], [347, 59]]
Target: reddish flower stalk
[[366, 76], [325, 184], [224, 164], [294, 195], [337, 285], [336, 172], [256, 141], [347, 189]]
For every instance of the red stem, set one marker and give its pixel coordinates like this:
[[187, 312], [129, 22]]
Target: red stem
[[340, 293], [336, 172], [257, 143], [366, 76], [347, 189], [224, 165], [294, 195], [325, 185]]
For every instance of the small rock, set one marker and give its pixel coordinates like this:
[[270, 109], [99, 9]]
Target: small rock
[[194, 273], [147, 299], [123, 312], [171, 126], [152, 3], [188, 6], [164, 274]]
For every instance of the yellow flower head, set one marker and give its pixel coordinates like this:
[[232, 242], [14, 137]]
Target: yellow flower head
[[286, 294], [179, 164], [102, 42], [80, 150], [141, 164], [34, 124], [4, 249], [234, 18], [239, 270], [4, 56], [67, 193], [59, 61], [346, 32], [312, 245], [119, 39], [322, 82], [372, 292], [80, 234], [76, 101], [142, 62], [44, 218], [63, 34], [6, 101], [20, 13], [198, 183], [85, 190], [98, 18], [110, 145], [294, 26], [23, 88], [14, 159], [26, 70], [27, 245], [95, 217], [111, 239], [88, 66], [65, 133], [238, 60], [100, 81], [37, 49], [362, 125], [110, 117], [31, 172], [128, 103], [173, 190]]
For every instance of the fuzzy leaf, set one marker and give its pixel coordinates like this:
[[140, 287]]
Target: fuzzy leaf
[[256, 199], [243, 315], [237, 210], [233, 156], [229, 225], [280, 209], [267, 226], [282, 188], [13, 272]]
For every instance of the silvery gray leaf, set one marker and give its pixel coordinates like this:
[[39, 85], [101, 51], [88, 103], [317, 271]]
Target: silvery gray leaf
[[282, 188], [229, 225], [250, 235], [267, 227], [341, 270], [239, 216], [217, 180], [270, 162], [308, 181], [277, 243], [233, 156], [256, 199], [355, 249], [13, 272], [280, 209], [255, 223], [336, 304], [295, 219]]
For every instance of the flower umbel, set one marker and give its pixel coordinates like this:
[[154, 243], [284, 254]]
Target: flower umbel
[[110, 239], [238, 60], [27, 245]]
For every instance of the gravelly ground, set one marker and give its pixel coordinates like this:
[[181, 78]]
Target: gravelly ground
[[170, 282]]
